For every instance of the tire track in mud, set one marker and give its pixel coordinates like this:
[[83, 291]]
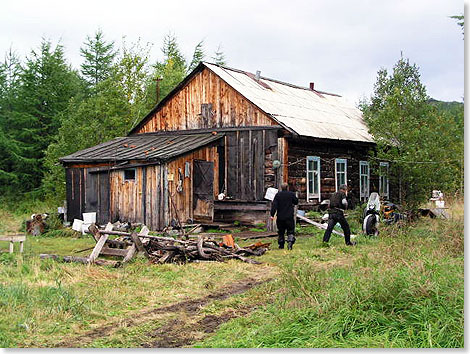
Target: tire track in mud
[[177, 333], [189, 307]]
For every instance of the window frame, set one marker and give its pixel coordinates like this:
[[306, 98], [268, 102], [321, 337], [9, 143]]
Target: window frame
[[129, 179], [337, 161], [364, 195], [382, 178], [310, 194]]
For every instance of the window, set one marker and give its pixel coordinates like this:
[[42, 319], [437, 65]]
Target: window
[[341, 172], [313, 177], [206, 112], [364, 179], [383, 179], [129, 174]]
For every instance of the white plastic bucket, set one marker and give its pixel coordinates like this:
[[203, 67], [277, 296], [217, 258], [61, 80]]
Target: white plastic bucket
[[89, 218], [85, 227], [77, 225]]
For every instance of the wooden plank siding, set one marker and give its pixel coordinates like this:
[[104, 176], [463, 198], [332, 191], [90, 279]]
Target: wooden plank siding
[[183, 110], [183, 200], [126, 197]]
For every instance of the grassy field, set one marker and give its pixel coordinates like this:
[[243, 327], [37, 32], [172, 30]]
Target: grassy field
[[403, 289]]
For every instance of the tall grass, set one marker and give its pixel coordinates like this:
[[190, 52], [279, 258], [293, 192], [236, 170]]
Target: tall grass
[[404, 290]]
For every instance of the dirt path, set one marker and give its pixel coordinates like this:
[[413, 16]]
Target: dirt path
[[174, 337], [178, 333]]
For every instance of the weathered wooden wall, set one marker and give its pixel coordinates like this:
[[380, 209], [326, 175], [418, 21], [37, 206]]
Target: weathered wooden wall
[[126, 196], [299, 149], [249, 156], [183, 201], [183, 110]]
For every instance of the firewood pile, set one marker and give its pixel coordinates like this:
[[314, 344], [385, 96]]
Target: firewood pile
[[201, 249], [159, 249]]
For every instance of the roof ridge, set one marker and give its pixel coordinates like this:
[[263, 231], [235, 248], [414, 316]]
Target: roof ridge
[[272, 80]]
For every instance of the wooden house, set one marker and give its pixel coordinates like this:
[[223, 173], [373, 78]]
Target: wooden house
[[225, 131]]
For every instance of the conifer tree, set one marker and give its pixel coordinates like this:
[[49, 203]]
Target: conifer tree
[[98, 57], [198, 56], [47, 83], [219, 56]]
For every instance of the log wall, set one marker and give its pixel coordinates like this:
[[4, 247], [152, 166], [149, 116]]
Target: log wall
[[184, 109], [299, 149]]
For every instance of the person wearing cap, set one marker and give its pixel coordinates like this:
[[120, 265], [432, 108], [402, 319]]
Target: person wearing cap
[[283, 204], [338, 203]]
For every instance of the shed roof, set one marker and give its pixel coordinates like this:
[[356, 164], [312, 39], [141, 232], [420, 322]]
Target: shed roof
[[143, 147], [304, 111]]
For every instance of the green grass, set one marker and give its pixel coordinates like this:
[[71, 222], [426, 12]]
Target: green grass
[[404, 289]]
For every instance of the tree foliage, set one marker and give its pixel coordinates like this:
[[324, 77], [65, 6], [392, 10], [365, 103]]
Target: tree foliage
[[460, 21], [32, 95], [410, 132], [219, 56], [117, 102]]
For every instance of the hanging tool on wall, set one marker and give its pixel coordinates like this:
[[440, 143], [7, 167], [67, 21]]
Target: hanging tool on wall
[[179, 186]]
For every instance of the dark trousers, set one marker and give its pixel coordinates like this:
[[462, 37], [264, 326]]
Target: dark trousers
[[283, 226], [337, 217]]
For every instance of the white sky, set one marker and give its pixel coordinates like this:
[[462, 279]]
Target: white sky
[[339, 45]]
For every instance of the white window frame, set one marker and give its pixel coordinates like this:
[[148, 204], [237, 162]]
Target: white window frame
[[310, 194], [382, 178], [337, 161], [365, 195]]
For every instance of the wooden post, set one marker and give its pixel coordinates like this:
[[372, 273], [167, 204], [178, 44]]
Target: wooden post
[[130, 253], [96, 251], [21, 246], [138, 244], [11, 246]]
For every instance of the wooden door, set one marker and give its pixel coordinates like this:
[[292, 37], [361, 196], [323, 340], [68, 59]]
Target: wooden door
[[75, 193], [203, 189]]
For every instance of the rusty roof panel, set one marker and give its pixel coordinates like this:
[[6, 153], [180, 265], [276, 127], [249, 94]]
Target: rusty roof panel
[[143, 147], [307, 112]]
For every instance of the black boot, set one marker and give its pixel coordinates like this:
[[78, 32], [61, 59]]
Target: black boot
[[281, 246], [290, 241]]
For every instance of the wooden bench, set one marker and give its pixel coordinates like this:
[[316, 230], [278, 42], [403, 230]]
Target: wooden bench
[[12, 239]]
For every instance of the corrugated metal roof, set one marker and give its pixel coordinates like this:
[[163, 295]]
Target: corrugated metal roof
[[306, 112], [145, 147]]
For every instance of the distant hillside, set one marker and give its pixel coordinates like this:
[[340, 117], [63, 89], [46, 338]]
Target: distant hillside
[[447, 106], [456, 109]]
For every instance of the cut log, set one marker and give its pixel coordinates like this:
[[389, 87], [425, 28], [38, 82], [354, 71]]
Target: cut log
[[83, 260]]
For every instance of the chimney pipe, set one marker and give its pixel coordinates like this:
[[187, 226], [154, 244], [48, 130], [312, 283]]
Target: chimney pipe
[[312, 85], [258, 75]]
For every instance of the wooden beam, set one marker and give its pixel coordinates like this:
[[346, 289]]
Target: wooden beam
[[321, 226], [130, 253], [97, 250], [84, 260], [138, 244], [113, 251]]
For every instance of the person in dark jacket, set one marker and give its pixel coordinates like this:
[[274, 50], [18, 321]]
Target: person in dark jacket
[[338, 203], [283, 204]]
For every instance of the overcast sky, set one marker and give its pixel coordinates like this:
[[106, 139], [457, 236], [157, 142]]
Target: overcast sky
[[339, 45]]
